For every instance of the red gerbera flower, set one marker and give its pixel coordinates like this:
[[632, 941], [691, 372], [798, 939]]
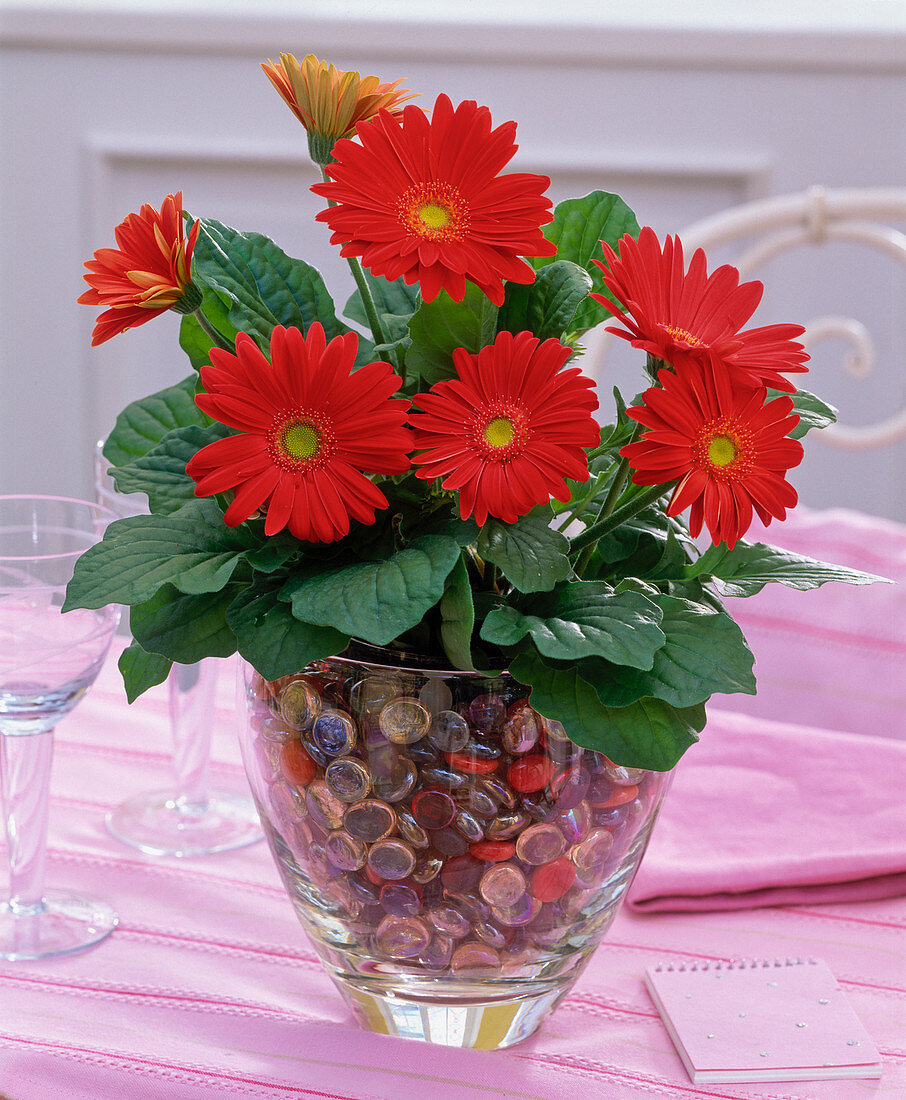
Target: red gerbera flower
[[509, 429], [147, 274], [421, 199], [309, 427], [724, 441], [669, 309]]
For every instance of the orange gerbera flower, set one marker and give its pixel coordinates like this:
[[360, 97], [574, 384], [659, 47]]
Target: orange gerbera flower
[[723, 442], [421, 199], [147, 274], [308, 427], [669, 309], [328, 101], [509, 429]]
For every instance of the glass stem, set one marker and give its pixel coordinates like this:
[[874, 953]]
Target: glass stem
[[191, 689], [25, 761]]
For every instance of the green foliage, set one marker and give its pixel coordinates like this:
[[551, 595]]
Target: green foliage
[[143, 424], [531, 555], [437, 328], [812, 411], [547, 306], [457, 614], [142, 670]]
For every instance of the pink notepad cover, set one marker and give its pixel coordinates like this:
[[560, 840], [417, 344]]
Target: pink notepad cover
[[761, 1020]]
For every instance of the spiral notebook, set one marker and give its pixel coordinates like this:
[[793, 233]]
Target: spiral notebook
[[761, 1020]]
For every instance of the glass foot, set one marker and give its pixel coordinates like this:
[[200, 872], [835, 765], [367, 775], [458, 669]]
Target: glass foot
[[62, 924], [161, 824]]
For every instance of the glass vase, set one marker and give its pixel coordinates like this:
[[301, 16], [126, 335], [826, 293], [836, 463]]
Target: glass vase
[[453, 857]]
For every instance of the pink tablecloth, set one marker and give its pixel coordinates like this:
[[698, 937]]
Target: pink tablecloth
[[209, 988]]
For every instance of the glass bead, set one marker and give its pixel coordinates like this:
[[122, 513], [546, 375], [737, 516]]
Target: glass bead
[[472, 765], [436, 695], [401, 900], [409, 829], [523, 911], [472, 907], [569, 786], [392, 859], [502, 885], [444, 776], [530, 773], [345, 851], [392, 777], [371, 695], [497, 788], [469, 826], [423, 753], [287, 805], [554, 731], [462, 874], [323, 806], [296, 764], [507, 825], [475, 956], [427, 869], [271, 727], [267, 759], [433, 809], [333, 732], [493, 933], [621, 795], [540, 844], [482, 748], [592, 854], [487, 711], [299, 703], [448, 921], [348, 779], [363, 890], [476, 801], [437, 954], [553, 879], [623, 777], [574, 823], [449, 731], [402, 937], [600, 788], [493, 851], [521, 730], [404, 720], [370, 820], [449, 842]]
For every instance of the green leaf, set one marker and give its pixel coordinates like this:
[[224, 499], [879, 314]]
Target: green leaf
[[391, 299], [813, 412], [185, 628], [266, 287], [376, 601], [271, 639], [583, 619], [143, 424], [530, 553], [705, 652], [648, 734], [547, 306], [439, 327], [142, 670], [457, 614], [578, 227], [190, 548], [193, 339], [748, 567], [161, 473]]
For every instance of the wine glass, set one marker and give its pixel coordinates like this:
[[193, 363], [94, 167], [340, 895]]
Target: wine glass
[[48, 661], [188, 819]]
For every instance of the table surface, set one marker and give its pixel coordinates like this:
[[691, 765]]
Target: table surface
[[209, 986]]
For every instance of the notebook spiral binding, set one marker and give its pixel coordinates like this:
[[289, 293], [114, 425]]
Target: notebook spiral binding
[[732, 964]]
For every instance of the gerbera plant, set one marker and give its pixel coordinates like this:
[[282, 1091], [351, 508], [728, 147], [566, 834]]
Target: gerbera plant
[[432, 472]]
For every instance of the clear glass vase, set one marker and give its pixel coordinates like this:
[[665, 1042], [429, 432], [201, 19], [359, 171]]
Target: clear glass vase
[[453, 857]]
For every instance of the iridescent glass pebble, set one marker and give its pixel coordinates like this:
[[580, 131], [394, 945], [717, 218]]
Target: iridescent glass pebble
[[345, 851], [402, 937], [436, 695], [445, 776], [433, 809], [371, 695], [492, 932], [362, 889], [461, 874], [299, 703], [502, 885], [449, 842], [333, 732], [521, 730], [427, 869], [493, 851], [476, 801], [530, 773], [482, 748], [437, 954], [287, 805], [474, 956], [486, 712], [348, 778], [621, 795], [569, 786], [592, 854], [554, 731], [409, 829], [498, 789], [624, 777], [423, 753], [473, 908], [272, 728], [599, 789], [448, 921], [469, 826], [507, 825], [267, 756], [323, 805], [540, 844], [522, 911], [404, 720], [370, 820], [448, 730], [553, 879], [296, 764], [392, 859], [392, 776], [401, 900], [574, 823]]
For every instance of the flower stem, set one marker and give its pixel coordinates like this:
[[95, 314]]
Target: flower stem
[[209, 330], [588, 537]]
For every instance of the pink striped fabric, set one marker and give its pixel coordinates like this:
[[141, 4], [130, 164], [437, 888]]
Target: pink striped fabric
[[209, 988]]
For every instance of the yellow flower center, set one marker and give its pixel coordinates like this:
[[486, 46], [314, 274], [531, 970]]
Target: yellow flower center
[[500, 431], [301, 441], [682, 334], [722, 450], [434, 211], [434, 216]]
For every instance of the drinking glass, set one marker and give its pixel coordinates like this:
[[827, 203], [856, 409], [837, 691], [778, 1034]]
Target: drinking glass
[[187, 819], [48, 661]]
